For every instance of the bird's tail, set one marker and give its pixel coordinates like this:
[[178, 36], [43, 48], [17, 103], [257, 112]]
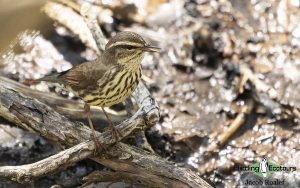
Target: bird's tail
[[55, 77], [51, 78]]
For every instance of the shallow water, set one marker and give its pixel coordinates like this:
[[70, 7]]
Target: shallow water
[[17, 16]]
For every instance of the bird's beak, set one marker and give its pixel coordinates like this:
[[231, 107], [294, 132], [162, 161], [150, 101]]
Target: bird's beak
[[149, 48]]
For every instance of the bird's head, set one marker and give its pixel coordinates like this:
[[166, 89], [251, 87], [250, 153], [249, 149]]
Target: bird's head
[[129, 47]]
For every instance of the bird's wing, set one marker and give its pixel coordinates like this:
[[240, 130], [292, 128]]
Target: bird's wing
[[85, 76]]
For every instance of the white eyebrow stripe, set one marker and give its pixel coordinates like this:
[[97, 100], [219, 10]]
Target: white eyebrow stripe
[[135, 44]]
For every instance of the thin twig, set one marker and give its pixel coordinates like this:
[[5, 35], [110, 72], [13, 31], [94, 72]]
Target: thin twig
[[233, 127], [91, 21]]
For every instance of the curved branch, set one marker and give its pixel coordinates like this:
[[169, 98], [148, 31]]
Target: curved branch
[[37, 117]]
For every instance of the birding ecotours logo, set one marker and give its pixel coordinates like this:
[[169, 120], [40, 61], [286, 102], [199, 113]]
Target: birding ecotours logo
[[265, 168]]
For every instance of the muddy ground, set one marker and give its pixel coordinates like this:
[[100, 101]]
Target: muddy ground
[[223, 64]]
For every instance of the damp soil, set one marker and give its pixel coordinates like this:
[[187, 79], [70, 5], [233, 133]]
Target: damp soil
[[197, 81]]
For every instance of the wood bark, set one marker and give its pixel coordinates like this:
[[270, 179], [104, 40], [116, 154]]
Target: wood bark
[[128, 161]]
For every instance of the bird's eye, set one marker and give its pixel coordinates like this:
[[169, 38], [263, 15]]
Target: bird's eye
[[130, 47]]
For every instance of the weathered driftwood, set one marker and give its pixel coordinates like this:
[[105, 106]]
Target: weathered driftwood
[[37, 117], [71, 20]]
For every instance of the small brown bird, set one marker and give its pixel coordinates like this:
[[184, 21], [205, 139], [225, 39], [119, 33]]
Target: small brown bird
[[111, 78]]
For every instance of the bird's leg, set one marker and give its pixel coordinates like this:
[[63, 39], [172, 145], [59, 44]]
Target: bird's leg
[[88, 113], [115, 132]]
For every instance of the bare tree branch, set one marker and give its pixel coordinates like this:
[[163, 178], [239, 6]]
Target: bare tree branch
[[37, 117]]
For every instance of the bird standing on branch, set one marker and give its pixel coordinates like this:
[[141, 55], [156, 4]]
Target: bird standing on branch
[[110, 79]]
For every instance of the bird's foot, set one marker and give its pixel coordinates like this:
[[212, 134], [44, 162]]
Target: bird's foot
[[115, 133], [98, 146]]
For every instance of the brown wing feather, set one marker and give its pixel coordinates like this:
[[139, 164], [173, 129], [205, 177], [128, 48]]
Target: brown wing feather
[[84, 76]]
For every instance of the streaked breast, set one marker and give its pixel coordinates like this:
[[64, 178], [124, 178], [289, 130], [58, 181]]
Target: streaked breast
[[116, 90]]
